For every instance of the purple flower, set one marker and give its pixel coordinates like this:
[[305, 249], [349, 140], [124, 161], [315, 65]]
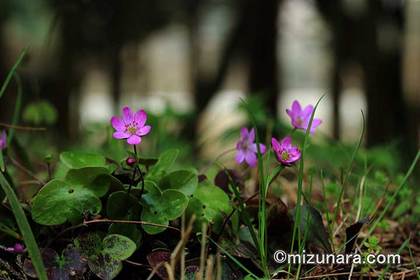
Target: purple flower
[[3, 140], [286, 153], [131, 127], [300, 118], [247, 149], [17, 249]]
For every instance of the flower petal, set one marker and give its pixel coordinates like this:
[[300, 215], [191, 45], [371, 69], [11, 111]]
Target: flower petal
[[262, 148], [286, 141], [127, 115], [144, 130], [134, 140], [307, 112], [315, 124], [117, 123], [294, 155], [275, 144], [140, 117], [240, 157], [244, 132], [120, 135], [290, 113], [296, 107], [251, 158], [251, 136]]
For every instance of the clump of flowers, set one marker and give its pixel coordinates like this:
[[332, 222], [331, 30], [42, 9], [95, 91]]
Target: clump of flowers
[[286, 153], [131, 126], [300, 118], [3, 140], [246, 148]]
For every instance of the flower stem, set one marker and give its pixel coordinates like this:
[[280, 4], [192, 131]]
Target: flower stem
[[142, 182], [133, 177], [134, 172]]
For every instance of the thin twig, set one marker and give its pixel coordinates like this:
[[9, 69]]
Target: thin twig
[[128, 222], [135, 263], [26, 170], [154, 270], [179, 249], [18, 127]]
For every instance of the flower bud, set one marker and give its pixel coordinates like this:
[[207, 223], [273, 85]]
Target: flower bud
[[130, 161]]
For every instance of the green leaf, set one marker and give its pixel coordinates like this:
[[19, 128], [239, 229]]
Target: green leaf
[[89, 244], [76, 159], [96, 179], [184, 181], [210, 204], [105, 255], [105, 267], [165, 162], [129, 230], [120, 204], [59, 201], [118, 246], [162, 207], [24, 228]]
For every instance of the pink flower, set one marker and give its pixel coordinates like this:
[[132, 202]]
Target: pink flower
[[247, 149], [300, 118], [17, 249], [286, 153], [131, 127], [3, 140]]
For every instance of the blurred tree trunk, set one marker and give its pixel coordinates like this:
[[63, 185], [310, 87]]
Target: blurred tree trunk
[[360, 39], [62, 86], [262, 52], [333, 14], [8, 99], [203, 86], [116, 74], [254, 35], [382, 61]]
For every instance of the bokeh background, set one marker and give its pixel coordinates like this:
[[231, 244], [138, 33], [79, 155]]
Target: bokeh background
[[189, 63]]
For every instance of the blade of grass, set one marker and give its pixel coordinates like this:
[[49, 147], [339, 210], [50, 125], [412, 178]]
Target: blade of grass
[[353, 156], [24, 228], [296, 229], [3, 90], [327, 213], [2, 166], [414, 262], [12, 72], [18, 106]]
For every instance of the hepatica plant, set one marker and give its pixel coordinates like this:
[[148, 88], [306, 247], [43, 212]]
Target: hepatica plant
[[126, 199]]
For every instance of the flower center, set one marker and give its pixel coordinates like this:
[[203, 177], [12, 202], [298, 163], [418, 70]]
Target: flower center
[[299, 121], [285, 155], [132, 129]]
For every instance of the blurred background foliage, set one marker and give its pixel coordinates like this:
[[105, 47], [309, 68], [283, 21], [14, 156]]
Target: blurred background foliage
[[189, 62]]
